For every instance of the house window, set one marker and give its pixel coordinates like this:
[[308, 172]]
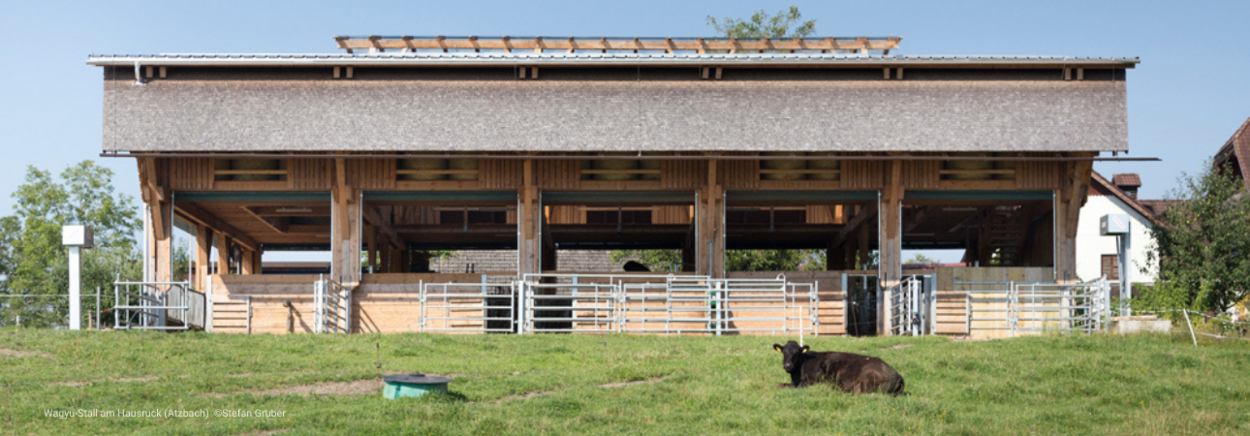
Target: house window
[[1111, 266]]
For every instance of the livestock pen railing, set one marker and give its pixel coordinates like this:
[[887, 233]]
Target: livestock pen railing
[[332, 307], [910, 308], [598, 303], [146, 305], [468, 307], [195, 303], [1033, 307]]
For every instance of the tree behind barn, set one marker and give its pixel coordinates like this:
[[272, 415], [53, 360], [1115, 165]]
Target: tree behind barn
[[1202, 245], [32, 259]]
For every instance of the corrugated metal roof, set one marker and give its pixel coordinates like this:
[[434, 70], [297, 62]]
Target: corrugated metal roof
[[471, 59]]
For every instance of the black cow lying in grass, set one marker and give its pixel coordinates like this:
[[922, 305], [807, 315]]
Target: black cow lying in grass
[[852, 373]]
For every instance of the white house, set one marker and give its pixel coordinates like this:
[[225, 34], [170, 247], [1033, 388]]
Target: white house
[[1096, 254]]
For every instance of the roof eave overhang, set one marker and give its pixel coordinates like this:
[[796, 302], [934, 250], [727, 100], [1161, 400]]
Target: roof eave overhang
[[845, 62]]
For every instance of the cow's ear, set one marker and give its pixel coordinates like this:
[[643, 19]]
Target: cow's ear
[[778, 348], [806, 348]]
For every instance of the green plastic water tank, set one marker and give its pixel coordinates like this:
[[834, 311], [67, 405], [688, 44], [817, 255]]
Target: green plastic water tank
[[413, 384]]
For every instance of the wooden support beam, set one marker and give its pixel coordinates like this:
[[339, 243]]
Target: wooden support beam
[[162, 242], [375, 219], [223, 254], [203, 248], [1071, 196], [386, 264], [371, 244], [529, 219], [199, 216], [250, 263], [259, 261], [860, 217], [916, 220], [345, 234], [154, 194]]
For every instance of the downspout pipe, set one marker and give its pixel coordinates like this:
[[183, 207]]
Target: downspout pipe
[[138, 74]]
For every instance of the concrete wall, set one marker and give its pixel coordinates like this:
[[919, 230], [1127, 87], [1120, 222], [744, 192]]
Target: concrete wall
[[1091, 246]]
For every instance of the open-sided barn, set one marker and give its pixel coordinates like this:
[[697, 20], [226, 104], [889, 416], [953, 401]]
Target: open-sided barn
[[533, 146]]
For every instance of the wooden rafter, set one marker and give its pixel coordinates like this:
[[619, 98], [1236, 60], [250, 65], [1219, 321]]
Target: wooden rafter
[[540, 44], [375, 219], [864, 214], [199, 216]]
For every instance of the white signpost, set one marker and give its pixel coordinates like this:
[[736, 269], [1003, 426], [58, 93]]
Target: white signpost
[[76, 238], [1118, 225]]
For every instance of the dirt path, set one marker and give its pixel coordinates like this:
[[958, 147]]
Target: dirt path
[[358, 387], [650, 380], [78, 384], [19, 353]]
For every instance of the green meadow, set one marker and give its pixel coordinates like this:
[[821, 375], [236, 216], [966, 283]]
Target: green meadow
[[59, 382]]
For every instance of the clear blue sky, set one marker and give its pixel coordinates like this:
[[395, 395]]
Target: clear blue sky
[[1185, 99]]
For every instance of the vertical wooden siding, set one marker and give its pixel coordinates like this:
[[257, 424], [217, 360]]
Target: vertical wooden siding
[[860, 174], [558, 174], [371, 174], [309, 174], [1038, 175], [191, 174], [921, 174], [740, 174], [682, 174], [500, 174]]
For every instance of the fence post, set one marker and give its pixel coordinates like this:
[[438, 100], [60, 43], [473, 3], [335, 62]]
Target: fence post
[[97, 307], [208, 304], [814, 300], [249, 314]]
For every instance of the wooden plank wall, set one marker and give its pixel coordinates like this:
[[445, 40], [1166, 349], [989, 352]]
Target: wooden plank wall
[[921, 174], [1039, 175], [831, 308], [500, 174], [566, 214], [385, 303], [670, 214], [952, 317], [269, 294], [740, 174], [309, 174], [682, 175], [861, 174], [371, 174], [558, 174], [196, 174], [191, 174]]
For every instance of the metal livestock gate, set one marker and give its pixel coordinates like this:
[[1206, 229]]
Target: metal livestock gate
[[670, 304], [1034, 307]]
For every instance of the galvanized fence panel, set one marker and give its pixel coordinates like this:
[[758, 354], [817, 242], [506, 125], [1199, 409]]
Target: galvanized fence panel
[[671, 304], [1022, 307], [194, 301], [909, 307], [140, 305], [332, 307], [468, 307]]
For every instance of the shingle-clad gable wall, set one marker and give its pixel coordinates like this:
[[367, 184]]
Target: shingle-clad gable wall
[[573, 110]]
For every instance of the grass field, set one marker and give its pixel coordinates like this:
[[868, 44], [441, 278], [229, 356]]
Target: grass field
[[556, 384]]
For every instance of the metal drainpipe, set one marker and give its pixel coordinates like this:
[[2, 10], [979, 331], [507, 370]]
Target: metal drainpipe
[[138, 76]]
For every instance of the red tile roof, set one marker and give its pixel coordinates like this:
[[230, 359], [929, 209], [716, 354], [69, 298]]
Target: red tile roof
[[1237, 150], [1126, 179], [1101, 186]]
